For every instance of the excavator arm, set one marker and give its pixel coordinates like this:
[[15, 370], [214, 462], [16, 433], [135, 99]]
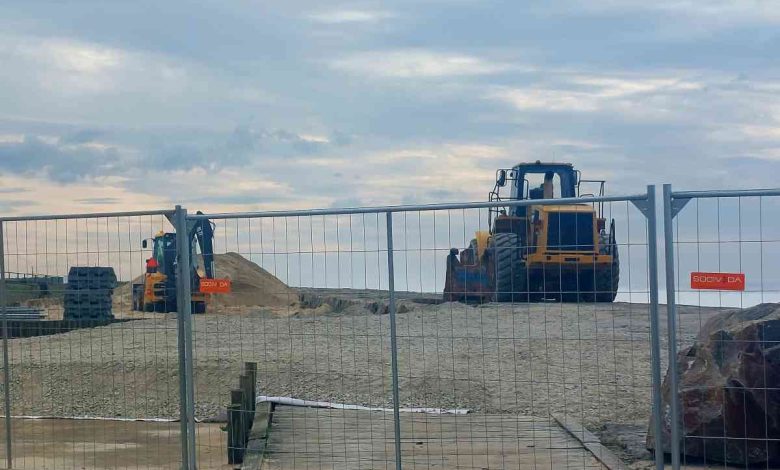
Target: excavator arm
[[202, 233]]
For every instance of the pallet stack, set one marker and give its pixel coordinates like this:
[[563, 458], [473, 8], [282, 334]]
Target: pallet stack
[[88, 294]]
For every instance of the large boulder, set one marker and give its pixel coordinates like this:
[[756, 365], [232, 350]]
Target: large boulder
[[729, 390]]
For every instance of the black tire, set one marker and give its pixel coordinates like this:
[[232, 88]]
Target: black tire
[[505, 251], [608, 279], [522, 288]]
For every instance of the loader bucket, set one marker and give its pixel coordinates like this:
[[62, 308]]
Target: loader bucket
[[466, 283]]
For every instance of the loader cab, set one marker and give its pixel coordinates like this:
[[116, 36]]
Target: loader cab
[[535, 181], [163, 251], [543, 181]]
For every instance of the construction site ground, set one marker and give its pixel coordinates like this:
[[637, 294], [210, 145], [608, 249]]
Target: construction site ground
[[590, 361], [535, 360], [92, 444]]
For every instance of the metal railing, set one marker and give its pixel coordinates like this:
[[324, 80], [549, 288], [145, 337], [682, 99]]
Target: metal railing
[[78, 382], [343, 308], [582, 369], [733, 235]]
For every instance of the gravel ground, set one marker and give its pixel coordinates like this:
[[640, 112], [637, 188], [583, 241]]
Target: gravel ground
[[590, 361]]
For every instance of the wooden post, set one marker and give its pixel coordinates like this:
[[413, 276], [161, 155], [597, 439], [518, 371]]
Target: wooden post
[[237, 425], [241, 413], [233, 429], [245, 384], [251, 371]]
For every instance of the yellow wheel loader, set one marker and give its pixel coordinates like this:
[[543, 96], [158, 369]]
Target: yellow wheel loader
[[537, 252]]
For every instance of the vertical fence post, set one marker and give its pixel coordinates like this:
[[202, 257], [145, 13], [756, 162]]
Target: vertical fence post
[[184, 319], [671, 319], [655, 335], [393, 341], [6, 366]]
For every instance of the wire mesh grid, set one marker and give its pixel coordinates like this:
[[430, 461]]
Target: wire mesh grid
[[307, 303], [82, 364], [728, 379], [481, 384], [523, 369]]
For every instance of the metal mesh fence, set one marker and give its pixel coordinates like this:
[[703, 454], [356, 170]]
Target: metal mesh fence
[[526, 371], [82, 366], [309, 306], [481, 384], [393, 338], [722, 264]]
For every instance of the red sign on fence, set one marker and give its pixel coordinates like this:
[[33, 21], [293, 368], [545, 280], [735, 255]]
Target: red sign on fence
[[215, 286], [718, 281]]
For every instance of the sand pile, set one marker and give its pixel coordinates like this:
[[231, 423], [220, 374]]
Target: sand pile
[[253, 286]]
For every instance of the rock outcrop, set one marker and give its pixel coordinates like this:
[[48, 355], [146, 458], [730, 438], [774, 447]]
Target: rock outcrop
[[729, 383]]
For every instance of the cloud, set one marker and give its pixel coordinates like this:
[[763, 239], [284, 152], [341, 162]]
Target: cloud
[[55, 197], [761, 133], [8, 206], [94, 84], [424, 105], [588, 93], [717, 12], [34, 156], [71, 66], [14, 190], [82, 136], [92, 201], [417, 63], [78, 156], [336, 17]]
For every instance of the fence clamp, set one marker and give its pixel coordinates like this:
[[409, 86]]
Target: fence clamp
[[643, 205], [678, 204]]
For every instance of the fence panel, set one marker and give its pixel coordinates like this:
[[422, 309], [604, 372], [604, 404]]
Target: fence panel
[[309, 305], [401, 353], [723, 283], [523, 383], [77, 353], [531, 371]]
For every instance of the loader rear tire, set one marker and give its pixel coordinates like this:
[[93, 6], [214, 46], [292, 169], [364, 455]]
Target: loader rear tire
[[505, 250], [608, 279]]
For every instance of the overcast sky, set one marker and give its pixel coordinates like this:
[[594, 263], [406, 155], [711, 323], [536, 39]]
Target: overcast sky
[[259, 105]]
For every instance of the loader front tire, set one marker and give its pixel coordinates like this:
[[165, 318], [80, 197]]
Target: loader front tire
[[505, 250]]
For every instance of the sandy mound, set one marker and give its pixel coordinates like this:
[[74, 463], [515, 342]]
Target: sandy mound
[[253, 286]]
